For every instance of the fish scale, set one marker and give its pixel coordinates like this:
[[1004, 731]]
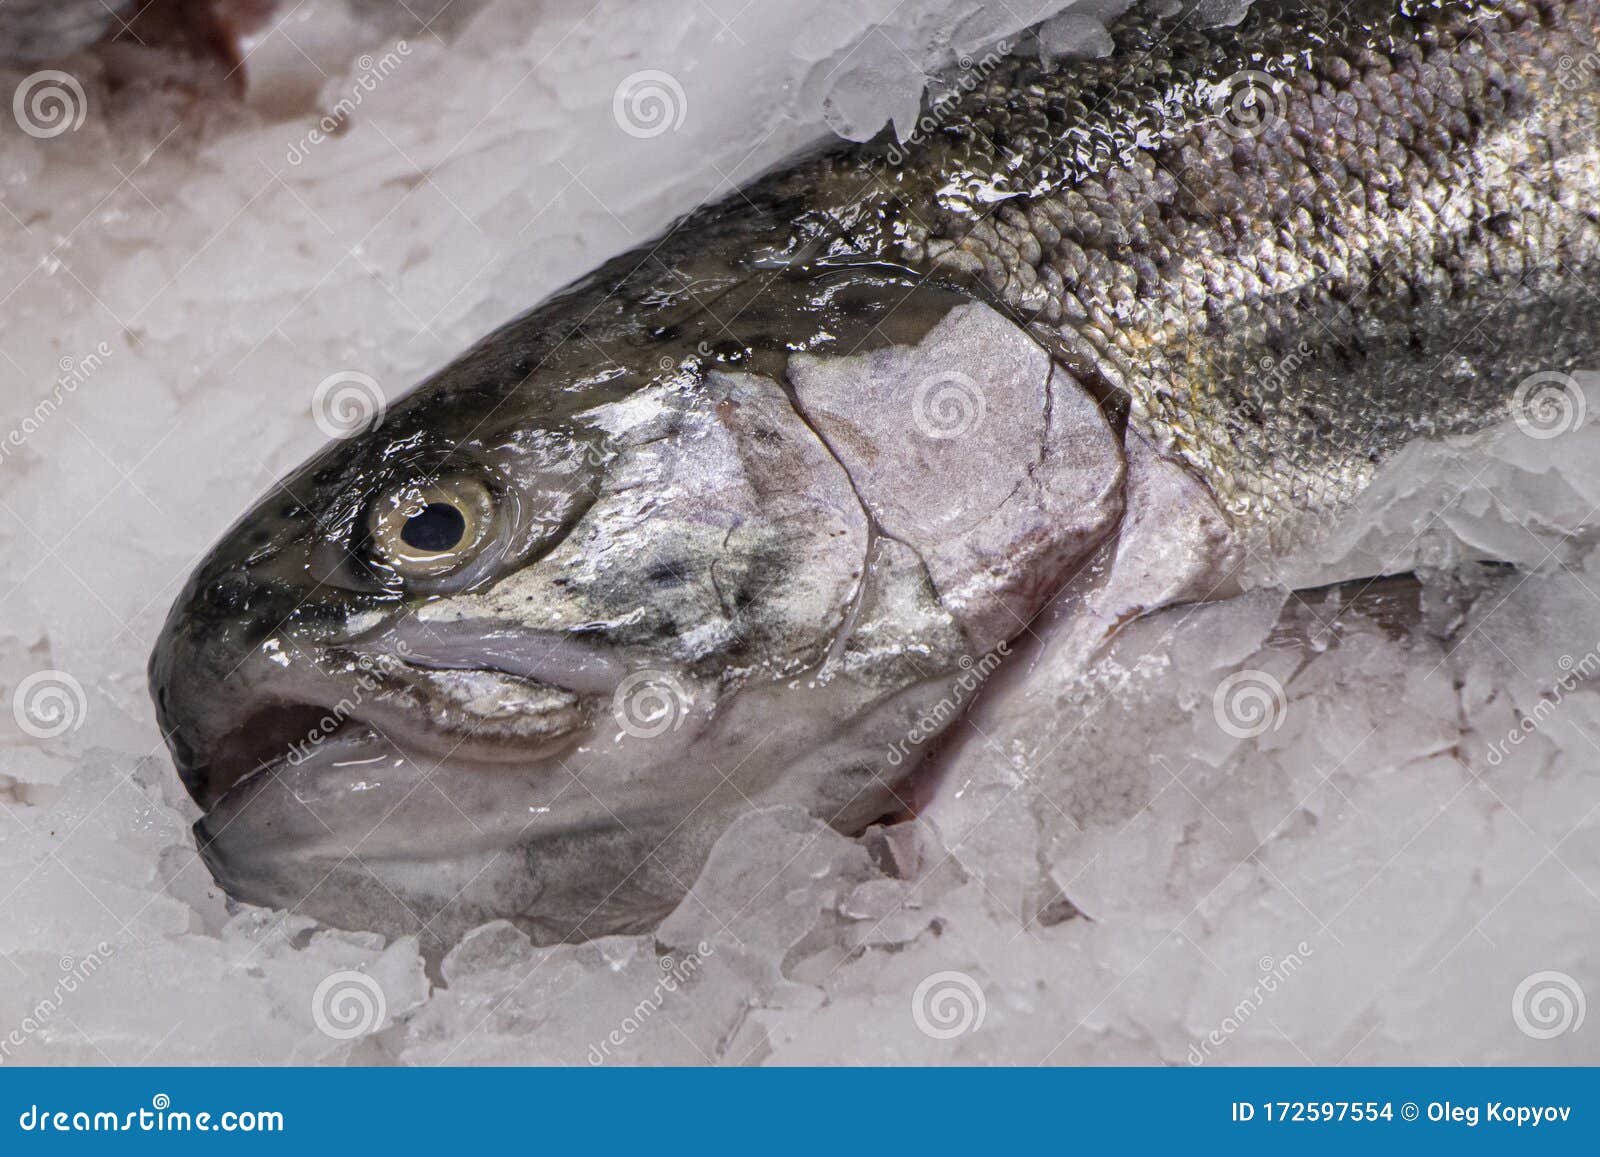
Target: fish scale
[[1426, 176]]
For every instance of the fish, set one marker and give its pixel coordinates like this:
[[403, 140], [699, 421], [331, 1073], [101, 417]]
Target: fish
[[749, 516]]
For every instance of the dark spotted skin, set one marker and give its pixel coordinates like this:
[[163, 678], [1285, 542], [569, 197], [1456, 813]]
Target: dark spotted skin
[[1405, 225], [1414, 224], [1401, 225]]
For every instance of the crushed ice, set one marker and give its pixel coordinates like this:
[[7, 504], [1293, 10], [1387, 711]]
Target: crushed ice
[[1272, 830]]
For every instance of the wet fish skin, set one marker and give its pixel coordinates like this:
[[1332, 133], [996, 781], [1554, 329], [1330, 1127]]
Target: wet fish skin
[[685, 488], [1414, 228]]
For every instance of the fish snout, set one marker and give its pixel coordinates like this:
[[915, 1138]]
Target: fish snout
[[206, 666]]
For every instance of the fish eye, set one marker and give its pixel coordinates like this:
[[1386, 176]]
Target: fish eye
[[421, 529]]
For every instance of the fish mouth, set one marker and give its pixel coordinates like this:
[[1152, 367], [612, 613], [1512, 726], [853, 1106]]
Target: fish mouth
[[467, 718], [360, 833], [379, 803], [255, 747]]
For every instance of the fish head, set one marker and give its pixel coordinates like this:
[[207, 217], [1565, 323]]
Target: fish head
[[524, 648]]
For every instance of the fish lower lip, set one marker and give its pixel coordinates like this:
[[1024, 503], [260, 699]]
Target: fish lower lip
[[244, 783], [349, 733]]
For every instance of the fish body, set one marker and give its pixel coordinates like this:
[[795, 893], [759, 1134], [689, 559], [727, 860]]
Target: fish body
[[1290, 246], [750, 515]]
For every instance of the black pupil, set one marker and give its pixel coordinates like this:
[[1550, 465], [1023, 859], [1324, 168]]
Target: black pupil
[[437, 527]]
